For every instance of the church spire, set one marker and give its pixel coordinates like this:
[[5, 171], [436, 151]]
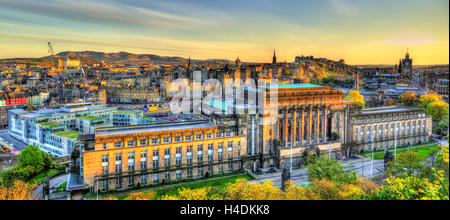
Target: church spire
[[274, 61]]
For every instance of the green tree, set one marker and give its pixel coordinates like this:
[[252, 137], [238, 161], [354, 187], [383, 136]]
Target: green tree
[[429, 98], [330, 169], [32, 157], [407, 164], [439, 110]]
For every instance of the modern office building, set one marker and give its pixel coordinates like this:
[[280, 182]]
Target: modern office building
[[55, 130]]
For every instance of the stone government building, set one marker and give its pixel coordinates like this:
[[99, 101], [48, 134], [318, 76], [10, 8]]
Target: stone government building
[[145, 154], [405, 126], [311, 118]]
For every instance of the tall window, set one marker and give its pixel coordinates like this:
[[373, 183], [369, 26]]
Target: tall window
[[200, 153], [144, 179], [118, 163], [131, 162], [105, 164], [178, 156], [210, 152], [143, 160], [167, 157], [156, 159], [189, 155]]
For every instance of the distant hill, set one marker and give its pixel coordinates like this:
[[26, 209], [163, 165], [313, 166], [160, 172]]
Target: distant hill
[[120, 57]]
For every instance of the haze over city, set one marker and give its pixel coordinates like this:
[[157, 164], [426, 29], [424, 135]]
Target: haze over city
[[358, 31]]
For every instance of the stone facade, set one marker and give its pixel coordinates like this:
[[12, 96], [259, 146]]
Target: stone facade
[[140, 155], [389, 126]]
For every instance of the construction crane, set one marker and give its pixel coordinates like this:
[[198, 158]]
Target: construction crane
[[55, 63]]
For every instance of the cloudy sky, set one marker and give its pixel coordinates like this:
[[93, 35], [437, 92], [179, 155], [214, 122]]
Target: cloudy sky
[[359, 31]]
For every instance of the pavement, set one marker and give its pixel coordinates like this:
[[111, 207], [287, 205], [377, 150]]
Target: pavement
[[11, 141], [53, 184]]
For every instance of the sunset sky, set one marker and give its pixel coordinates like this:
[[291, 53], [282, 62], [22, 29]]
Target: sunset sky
[[359, 31]]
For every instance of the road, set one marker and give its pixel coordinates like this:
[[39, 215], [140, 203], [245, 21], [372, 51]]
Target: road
[[362, 168], [11, 141], [53, 184]]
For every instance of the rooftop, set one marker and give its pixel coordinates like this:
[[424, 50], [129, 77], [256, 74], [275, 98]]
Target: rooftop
[[386, 110], [90, 118], [292, 86], [68, 134], [126, 112], [153, 128], [49, 124]]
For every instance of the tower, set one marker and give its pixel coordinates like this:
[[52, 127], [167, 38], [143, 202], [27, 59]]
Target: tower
[[356, 81], [188, 69], [406, 69], [274, 61]]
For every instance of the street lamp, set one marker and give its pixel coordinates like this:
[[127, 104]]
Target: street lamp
[[371, 162]]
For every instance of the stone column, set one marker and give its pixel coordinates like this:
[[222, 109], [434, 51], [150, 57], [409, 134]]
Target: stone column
[[310, 123], [301, 125], [317, 130], [324, 124], [294, 130], [286, 117]]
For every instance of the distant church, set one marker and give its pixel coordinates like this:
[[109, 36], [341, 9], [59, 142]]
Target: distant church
[[405, 68]]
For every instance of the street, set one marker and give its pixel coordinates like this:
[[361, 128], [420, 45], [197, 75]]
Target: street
[[53, 184], [301, 177], [11, 141]]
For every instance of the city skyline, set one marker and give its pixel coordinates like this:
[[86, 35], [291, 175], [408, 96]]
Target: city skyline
[[360, 32]]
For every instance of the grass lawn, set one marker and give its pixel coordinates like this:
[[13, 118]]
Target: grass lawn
[[49, 124], [218, 186], [422, 151], [125, 112], [89, 118], [68, 134], [42, 176], [61, 188]]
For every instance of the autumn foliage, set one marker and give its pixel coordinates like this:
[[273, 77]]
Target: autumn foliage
[[18, 191]]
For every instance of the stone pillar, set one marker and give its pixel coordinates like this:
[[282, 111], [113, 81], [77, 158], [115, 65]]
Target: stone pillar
[[302, 125], [325, 122], [286, 117], [317, 133], [310, 123], [294, 126]]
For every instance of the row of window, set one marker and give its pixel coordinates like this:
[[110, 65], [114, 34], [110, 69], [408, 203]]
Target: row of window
[[380, 131], [167, 157], [167, 176], [166, 140]]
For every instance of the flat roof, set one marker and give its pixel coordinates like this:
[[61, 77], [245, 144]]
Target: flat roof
[[292, 86], [153, 128], [387, 109]]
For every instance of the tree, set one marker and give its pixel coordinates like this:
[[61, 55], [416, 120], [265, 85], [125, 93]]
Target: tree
[[429, 98], [408, 98], [142, 196], [439, 110], [413, 188], [243, 190], [19, 190], [407, 164], [31, 156], [327, 168], [356, 97], [390, 101]]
